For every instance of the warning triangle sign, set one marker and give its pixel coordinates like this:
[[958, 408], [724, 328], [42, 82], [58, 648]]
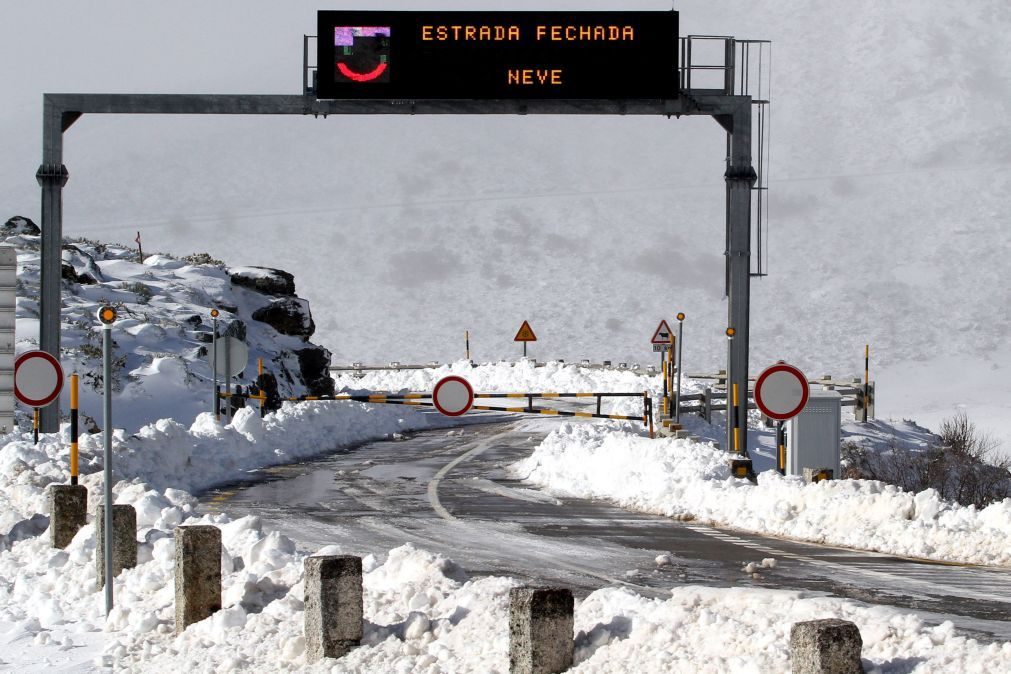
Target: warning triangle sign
[[663, 334], [526, 334]]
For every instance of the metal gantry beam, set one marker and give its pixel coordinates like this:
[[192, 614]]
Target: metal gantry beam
[[733, 113]]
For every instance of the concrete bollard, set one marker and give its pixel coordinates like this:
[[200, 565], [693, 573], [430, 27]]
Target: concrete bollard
[[198, 574], [828, 646], [540, 630], [68, 512], [333, 606], [124, 541]]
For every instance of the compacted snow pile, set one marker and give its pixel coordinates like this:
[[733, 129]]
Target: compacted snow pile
[[692, 480], [422, 614], [522, 377], [167, 454]]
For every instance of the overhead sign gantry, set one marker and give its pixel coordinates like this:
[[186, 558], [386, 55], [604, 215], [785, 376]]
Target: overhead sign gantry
[[613, 63]]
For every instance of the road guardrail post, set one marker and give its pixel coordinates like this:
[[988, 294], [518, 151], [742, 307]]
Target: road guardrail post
[[124, 541], [334, 606], [540, 630], [197, 574], [68, 511], [825, 646]]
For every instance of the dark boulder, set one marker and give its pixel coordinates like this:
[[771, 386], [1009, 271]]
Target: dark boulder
[[289, 316], [314, 366], [20, 225], [264, 280]]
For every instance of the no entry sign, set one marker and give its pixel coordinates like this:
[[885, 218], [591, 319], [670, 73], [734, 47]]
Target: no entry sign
[[38, 378], [452, 396], [781, 391]]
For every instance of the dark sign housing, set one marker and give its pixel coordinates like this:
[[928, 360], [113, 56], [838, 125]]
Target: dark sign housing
[[497, 55]]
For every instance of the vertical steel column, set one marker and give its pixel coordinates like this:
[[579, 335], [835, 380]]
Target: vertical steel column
[[740, 177], [52, 176]]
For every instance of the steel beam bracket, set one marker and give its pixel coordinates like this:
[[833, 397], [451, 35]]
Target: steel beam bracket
[[50, 174]]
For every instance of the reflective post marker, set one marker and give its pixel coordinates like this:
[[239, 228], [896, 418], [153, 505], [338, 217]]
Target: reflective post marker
[[780, 448], [259, 380], [107, 315], [730, 400], [214, 365], [228, 381], [867, 378], [737, 430], [677, 395], [466, 339], [35, 425], [73, 429]]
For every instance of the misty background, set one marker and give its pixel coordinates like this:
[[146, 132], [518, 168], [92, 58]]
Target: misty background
[[890, 154]]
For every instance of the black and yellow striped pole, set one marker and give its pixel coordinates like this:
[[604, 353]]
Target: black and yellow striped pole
[[259, 378], [780, 448], [35, 425], [731, 415], [73, 429], [737, 428], [867, 378], [677, 395], [466, 340]]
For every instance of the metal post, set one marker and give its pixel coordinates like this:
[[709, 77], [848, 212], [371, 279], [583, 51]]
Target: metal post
[[73, 429], [52, 176], [215, 407], [107, 429], [729, 399], [663, 372], [740, 178], [780, 448], [466, 339], [228, 381], [867, 378], [259, 380], [524, 349], [677, 400]]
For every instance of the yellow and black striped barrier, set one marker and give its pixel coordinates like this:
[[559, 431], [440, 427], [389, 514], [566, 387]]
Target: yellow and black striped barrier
[[423, 400]]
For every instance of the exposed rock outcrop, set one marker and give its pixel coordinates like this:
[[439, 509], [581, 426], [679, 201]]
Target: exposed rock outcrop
[[289, 316]]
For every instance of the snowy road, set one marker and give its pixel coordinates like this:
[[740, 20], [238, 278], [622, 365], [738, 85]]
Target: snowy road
[[448, 492]]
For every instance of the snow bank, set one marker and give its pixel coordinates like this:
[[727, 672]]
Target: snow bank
[[422, 614], [690, 480], [167, 454]]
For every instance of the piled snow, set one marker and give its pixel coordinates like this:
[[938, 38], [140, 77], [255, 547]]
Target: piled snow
[[422, 614], [167, 454], [521, 377], [690, 480]]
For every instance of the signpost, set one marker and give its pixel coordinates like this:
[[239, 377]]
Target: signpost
[[662, 341], [525, 334], [677, 398], [781, 392], [410, 55], [453, 396], [107, 316], [228, 358]]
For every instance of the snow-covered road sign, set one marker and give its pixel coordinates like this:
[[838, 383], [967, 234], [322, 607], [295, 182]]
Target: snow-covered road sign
[[38, 378], [781, 391], [452, 396]]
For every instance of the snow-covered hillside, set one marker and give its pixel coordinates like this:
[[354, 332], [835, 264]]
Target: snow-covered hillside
[[163, 331]]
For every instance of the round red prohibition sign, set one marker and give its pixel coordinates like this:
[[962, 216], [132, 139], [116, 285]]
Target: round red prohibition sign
[[781, 391], [452, 396], [38, 378]]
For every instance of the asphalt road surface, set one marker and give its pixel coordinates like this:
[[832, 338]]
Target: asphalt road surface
[[448, 492]]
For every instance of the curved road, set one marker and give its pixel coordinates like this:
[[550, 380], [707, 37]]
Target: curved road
[[446, 491]]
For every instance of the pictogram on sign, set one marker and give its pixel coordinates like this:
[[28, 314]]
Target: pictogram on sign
[[526, 334]]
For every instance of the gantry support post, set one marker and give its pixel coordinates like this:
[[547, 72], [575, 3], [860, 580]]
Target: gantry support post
[[740, 178]]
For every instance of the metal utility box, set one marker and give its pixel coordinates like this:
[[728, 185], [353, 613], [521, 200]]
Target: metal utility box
[[813, 436]]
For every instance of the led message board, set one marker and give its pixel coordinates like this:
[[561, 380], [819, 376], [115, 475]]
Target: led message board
[[497, 55]]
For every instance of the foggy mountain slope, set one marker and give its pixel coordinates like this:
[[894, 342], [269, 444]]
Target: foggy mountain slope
[[889, 169]]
